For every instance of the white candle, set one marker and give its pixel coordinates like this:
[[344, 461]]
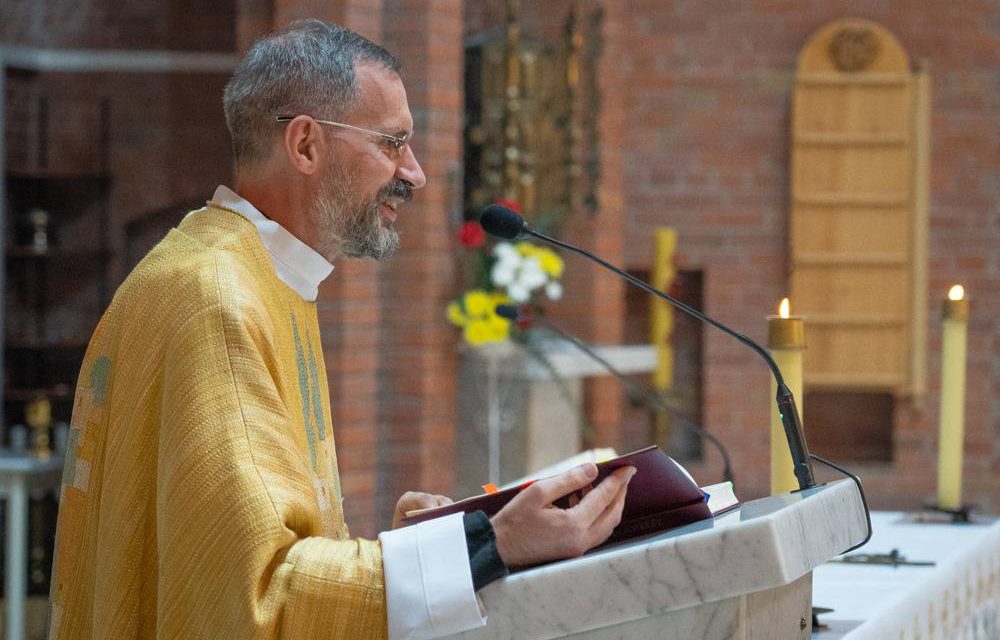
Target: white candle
[[952, 417], [786, 339]]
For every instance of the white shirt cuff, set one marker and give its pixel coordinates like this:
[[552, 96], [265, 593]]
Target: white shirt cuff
[[428, 582]]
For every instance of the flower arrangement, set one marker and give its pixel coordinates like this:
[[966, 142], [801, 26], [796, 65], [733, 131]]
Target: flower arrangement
[[504, 273]]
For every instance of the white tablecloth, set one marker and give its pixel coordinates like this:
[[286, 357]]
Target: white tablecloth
[[956, 599]]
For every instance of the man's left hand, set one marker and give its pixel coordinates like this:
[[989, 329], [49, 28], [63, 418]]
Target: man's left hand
[[413, 500]]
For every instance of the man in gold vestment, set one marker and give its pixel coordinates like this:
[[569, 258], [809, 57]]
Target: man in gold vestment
[[201, 496]]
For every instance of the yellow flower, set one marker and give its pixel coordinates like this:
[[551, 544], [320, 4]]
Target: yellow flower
[[476, 314], [549, 260], [526, 249], [551, 263], [477, 332], [477, 303], [455, 315], [499, 328]]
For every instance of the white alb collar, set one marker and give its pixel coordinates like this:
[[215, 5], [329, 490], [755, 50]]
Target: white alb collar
[[296, 264]]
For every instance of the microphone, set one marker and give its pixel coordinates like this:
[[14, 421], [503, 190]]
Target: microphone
[[501, 222], [636, 393]]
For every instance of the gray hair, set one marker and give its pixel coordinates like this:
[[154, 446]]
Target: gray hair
[[307, 69]]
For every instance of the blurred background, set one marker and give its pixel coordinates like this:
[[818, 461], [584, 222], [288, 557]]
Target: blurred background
[[843, 153]]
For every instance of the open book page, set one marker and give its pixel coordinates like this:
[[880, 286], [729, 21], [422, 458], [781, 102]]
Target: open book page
[[720, 496], [662, 495], [659, 485], [596, 456], [684, 471]]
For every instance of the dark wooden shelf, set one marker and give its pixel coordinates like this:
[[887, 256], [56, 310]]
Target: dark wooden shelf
[[44, 175], [46, 345], [61, 194], [54, 288], [57, 253], [58, 392]]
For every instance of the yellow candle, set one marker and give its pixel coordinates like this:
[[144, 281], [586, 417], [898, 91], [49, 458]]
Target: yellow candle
[[786, 339], [951, 423]]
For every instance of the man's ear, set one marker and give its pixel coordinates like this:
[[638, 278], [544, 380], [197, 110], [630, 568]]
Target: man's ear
[[303, 141]]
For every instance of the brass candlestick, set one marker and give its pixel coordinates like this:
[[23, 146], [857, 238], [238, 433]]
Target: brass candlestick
[[38, 416]]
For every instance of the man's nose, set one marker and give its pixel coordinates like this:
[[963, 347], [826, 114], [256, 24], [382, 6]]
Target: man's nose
[[409, 169]]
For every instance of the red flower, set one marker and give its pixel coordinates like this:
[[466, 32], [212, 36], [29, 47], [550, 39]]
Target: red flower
[[472, 235], [513, 205], [525, 317]]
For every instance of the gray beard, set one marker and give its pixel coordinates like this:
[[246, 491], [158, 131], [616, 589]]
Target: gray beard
[[368, 237], [348, 226]]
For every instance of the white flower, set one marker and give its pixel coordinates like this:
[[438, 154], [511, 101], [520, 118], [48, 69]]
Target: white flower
[[502, 274], [520, 275], [532, 275], [518, 292], [553, 290], [505, 252]]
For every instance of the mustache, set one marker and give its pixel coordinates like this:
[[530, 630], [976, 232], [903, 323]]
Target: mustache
[[396, 189]]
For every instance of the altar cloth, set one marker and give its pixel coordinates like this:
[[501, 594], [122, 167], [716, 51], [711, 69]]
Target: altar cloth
[[956, 599]]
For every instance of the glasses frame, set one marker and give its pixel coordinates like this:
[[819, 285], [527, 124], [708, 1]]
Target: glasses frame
[[398, 142]]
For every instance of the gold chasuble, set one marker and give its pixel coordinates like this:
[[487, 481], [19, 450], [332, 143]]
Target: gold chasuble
[[201, 496]]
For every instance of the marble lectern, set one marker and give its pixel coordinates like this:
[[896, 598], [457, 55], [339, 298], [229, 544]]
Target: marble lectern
[[745, 574]]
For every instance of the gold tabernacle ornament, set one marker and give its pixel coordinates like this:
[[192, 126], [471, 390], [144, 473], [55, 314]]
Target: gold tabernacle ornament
[[38, 415]]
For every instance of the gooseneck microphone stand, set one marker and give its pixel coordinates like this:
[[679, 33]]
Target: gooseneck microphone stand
[[501, 222]]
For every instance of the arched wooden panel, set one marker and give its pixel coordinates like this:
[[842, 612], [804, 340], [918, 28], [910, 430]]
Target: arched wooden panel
[[858, 209]]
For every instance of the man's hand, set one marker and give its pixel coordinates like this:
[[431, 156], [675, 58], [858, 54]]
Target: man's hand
[[413, 500], [530, 530]]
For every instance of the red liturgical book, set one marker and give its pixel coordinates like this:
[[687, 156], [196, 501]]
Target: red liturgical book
[[661, 495]]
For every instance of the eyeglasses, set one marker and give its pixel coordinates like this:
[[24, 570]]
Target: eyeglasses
[[393, 145]]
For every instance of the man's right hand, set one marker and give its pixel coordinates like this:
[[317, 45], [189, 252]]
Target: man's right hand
[[530, 530]]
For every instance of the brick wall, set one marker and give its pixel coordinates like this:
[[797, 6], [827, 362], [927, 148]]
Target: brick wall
[[707, 152], [693, 134], [185, 25]]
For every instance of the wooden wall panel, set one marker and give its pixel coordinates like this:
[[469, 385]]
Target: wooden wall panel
[[850, 291], [829, 105], [834, 230], [854, 228]]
